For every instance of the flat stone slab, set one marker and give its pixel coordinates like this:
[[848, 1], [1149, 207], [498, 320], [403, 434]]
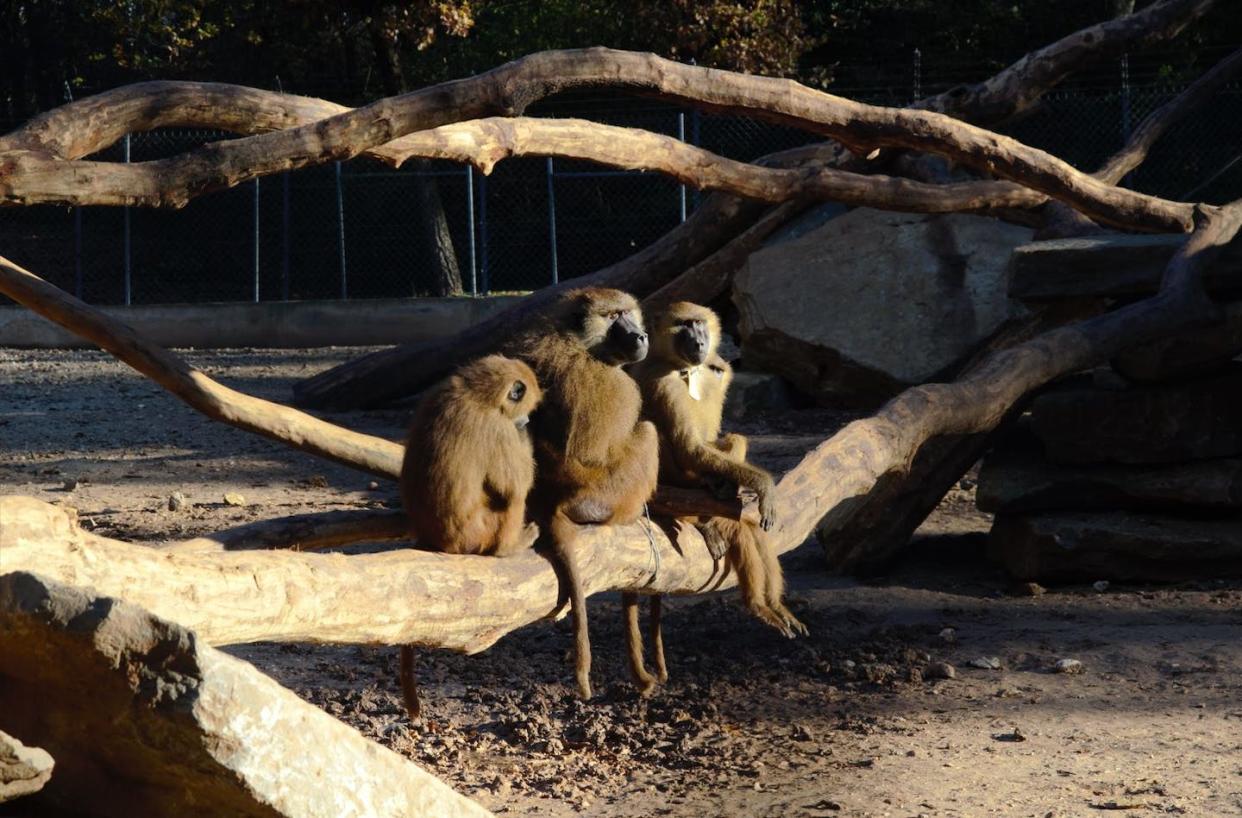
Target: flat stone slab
[[23, 770], [1155, 424], [1086, 547], [143, 720], [1107, 266], [1025, 481]]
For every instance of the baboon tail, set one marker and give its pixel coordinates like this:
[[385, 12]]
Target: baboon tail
[[409, 684], [564, 533]]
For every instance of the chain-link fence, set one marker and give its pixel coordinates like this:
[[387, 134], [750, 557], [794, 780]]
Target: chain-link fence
[[355, 230]]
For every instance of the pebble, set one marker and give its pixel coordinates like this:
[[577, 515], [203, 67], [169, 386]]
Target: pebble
[[232, 498], [940, 670], [1031, 589], [948, 635], [802, 733], [1100, 585], [1067, 666], [69, 484], [176, 501], [985, 663], [373, 485]]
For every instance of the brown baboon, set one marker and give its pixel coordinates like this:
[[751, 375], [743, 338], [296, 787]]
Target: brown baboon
[[684, 383], [596, 461], [469, 465]]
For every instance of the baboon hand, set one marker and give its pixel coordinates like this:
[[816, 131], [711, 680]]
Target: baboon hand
[[767, 510]]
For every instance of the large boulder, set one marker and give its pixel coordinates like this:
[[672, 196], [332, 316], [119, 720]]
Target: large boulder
[[142, 719], [864, 305]]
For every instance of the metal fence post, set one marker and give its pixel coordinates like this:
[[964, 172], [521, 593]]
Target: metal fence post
[[78, 283], [256, 241], [556, 277], [485, 273], [681, 189], [474, 264], [340, 230], [284, 240], [696, 121], [1125, 97], [129, 293]]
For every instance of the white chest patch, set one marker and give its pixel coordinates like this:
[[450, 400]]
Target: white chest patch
[[694, 382]]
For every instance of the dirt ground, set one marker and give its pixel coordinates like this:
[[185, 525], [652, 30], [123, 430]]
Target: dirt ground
[[846, 722]]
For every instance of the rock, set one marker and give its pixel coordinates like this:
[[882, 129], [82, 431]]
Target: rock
[[1027, 481], [176, 501], [1160, 424], [23, 770], [948, 635], [69, 484], [1030, 589], [940, 670], [373, 486], [871, 302], [1100, 585], [802, 733], [1193, 353], [232, 498], [143, 719], [1082, 547], [1070, 666], [985, 663], [1013, 735], [753, 392], [1105, 266]]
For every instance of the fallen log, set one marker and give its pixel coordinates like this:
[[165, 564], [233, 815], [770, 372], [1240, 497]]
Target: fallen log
[[144, 719], [1193, 353]]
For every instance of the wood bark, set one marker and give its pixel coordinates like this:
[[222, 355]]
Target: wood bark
[[379, 377], [447, 601]]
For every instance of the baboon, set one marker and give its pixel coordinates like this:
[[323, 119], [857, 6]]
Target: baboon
[[596, 460], [469, 465], [684, 382]]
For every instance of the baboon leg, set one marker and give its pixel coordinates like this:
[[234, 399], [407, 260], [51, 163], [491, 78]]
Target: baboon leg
[[564, 533], [645, 682], [657, 638], [409, 684], [775, 590]]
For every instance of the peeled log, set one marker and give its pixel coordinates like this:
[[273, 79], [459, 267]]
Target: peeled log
[[144, 720]]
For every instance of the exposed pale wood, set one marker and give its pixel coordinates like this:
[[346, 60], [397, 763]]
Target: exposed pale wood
[[144, 718], [305, 532], [281, 423]]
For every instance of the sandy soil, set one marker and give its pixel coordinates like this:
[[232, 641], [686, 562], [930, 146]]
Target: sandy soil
[[847, 722]]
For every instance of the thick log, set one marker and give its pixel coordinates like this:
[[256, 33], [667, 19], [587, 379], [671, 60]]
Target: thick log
[[1114, 266], [23, 770], [143, 719], [380, 377], [1192, 420], [1189, 354], [272, 420], [305, 532], [1024, 481], [510, 88], [1085, 547]]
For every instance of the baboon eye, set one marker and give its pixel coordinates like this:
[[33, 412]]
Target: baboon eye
[[517, 392]]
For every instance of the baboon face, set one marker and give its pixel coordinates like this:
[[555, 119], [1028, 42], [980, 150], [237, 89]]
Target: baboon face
[[689, 333], [611, 326], [509, 385]]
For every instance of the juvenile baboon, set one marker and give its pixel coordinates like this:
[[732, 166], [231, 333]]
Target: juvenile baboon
[[684, 382], [469, 465], [596, 461]]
